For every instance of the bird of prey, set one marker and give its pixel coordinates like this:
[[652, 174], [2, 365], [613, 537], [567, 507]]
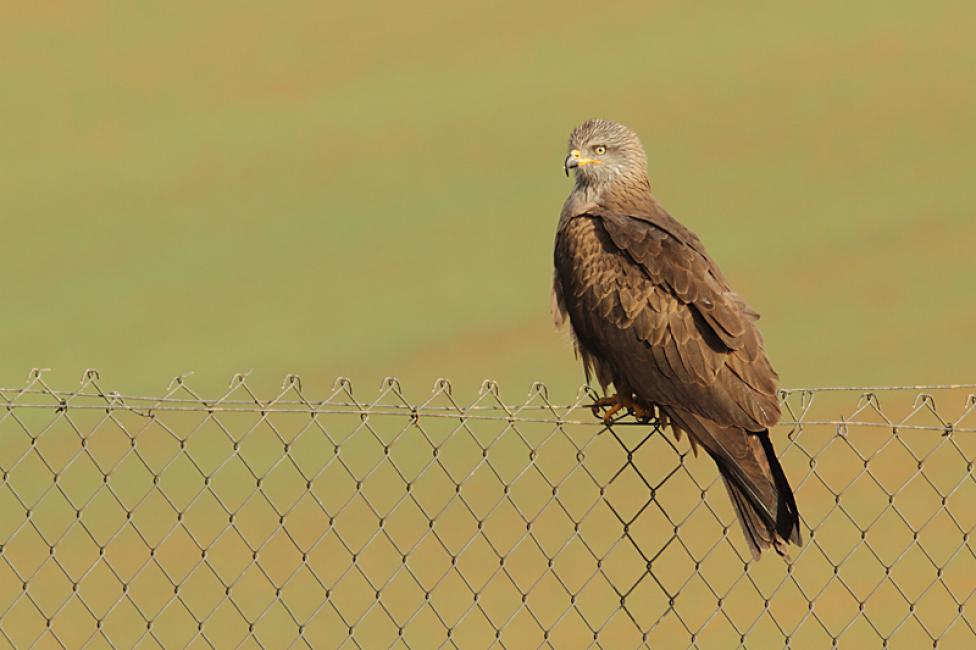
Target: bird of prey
[[651, 313]]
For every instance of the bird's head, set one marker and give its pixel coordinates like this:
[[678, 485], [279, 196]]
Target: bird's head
[[602, 151]]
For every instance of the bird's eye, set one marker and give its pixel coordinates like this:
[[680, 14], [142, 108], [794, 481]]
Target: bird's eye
[[599, 150]]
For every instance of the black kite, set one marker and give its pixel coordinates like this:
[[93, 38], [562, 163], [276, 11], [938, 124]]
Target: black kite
[[652, 314]]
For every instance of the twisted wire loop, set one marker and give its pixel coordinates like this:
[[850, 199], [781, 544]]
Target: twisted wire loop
[[346, 521]]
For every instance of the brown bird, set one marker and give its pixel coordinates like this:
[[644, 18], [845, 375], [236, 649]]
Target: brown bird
[[652, 314]]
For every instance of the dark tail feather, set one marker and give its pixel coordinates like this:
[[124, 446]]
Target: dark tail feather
[[787, 514], [762, 531], [755, 480]]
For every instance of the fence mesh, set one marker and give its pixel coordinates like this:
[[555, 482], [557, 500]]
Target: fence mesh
[[180, 521]]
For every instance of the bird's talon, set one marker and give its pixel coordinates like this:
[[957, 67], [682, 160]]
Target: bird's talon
[[616, 403], [600, 403], [641, 415]]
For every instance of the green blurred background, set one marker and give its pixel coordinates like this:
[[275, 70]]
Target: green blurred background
[[371, 189]]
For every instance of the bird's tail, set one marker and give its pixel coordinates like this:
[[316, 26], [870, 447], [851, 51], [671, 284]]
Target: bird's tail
[[754, 478], [761, 530]]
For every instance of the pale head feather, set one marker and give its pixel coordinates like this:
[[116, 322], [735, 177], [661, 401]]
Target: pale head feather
[[624, 159]]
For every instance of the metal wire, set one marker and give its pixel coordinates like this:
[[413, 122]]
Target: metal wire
[[178, 520]]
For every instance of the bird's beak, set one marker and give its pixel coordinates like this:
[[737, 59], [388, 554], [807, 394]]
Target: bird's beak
[[575, 159], [572, 161]]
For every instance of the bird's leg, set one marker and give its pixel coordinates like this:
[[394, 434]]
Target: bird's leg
[[641, 413], [613, 402], [617, 402], [662, 419]]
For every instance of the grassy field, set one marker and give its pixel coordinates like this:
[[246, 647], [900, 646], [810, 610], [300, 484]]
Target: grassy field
[[368, 189]]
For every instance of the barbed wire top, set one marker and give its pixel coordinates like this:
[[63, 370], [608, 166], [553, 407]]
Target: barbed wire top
[[488, 403]]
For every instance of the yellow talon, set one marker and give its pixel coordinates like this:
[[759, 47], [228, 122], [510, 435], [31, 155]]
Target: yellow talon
[[618, 402]]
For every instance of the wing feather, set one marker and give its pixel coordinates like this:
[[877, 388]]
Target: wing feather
[[653, 310]]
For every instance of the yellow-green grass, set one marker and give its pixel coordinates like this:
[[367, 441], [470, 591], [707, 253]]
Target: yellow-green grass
[[370, 190]]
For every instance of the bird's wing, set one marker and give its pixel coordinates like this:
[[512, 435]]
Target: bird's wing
[[645, 299]]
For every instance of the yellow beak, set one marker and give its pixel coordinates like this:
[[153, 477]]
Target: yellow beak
[[576, 159]]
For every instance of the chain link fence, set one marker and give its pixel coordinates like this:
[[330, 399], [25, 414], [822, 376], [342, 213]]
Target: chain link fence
[[473, 522]]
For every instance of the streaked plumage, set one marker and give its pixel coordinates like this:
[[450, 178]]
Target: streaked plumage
[[652, 314]]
